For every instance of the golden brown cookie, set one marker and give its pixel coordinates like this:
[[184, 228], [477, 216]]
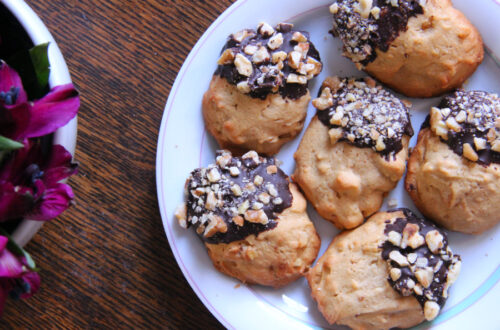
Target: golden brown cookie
[[252, 219], [258, 96], [454, 170], [393, 271], [419, 48], [354, 151]]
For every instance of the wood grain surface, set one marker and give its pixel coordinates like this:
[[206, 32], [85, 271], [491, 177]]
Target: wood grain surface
[[106, 262]]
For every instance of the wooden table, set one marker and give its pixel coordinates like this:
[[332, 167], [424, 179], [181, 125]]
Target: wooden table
[[106, 262]]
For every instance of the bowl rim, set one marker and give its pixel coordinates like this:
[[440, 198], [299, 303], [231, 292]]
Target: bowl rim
[[59, 74]]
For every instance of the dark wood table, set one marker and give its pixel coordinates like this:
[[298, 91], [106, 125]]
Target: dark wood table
[[106, 262]]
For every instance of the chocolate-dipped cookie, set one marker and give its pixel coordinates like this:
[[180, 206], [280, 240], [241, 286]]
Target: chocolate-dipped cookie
[[454, 170], [394, 271], [417, 47], [354, 151], [258, 96], [252, 220]]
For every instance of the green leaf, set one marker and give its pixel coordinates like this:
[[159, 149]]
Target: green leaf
[[34, 68], [8, 144], [17, 250], [40, 59]]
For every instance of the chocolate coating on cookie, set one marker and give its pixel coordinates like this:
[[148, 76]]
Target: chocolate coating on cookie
[[469, 122], [364, 114], [236, 197], [269, 60], [419, 260], [367, 25]]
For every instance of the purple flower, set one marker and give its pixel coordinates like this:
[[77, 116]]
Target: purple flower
[[20, 118], [30, 183], [18, 278]]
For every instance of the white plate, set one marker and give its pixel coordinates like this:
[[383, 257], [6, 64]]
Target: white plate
[[184, 145], [59, 75]]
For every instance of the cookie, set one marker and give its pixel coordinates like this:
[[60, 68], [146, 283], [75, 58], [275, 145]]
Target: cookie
[[354, 151], [258, 96], [252, 220], [454, 170], [393, 271], [419, 48]]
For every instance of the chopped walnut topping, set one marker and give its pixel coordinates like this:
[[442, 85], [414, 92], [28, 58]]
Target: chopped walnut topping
[[434, 240], [296, 79], [368, 115], [395, 238], [252, 155], [375, 12], [480, 143], [425, 270], [256, 216], [238, 220], [364, 27], [265, 29], [335, 134], [412, 258], [496, 146], [234, 171], [236, 190], [243, 65], [223, 160], [467, 122], [398, 258], [180, 214], [223, 198], [424, 276], [242, 35], [276, 41], [227, 57], [264, 198], [469, 152], [211, 201], [271, 169], [213, 175], [270, 60], [363, 7], [334, 8], [294, 59], [214, 226], [325, 100], [411, 237], [243, 87], [431, 310], [395, 274], [261, 55], [250, 49]]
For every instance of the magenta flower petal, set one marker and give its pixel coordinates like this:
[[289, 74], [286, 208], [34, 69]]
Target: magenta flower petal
[[31, 284], [3, 242], [10, 265], [14, 121], [59, 166], [53, 202], [53, 111], [14, 202], [11, 81]]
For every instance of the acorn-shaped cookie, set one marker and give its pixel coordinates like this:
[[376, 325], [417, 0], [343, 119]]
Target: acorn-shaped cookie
[[354, 151], [252, 219], [258, 96], [421, 48], [454, 170], [394, 271]]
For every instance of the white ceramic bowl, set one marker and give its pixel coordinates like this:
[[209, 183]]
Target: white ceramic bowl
[[59, 74]]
